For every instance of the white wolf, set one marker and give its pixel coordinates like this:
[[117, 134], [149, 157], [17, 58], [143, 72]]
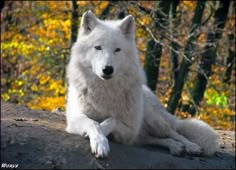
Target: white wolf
[[107, 94]]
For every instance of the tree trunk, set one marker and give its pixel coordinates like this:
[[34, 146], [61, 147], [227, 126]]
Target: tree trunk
[[230, 60], [152, 62], [209, 55], [186, 61], [174, 46], [1, 5], [73, 32], [74, 22], [153, 56], [106, 11], [121, 12]]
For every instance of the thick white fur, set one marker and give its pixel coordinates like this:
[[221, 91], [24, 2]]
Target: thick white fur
[[123, 105]]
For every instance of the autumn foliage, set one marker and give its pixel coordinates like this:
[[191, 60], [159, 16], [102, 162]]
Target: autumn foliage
[[35, 48]]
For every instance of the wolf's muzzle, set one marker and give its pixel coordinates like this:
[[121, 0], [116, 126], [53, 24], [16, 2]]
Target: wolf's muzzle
[[108, 70]]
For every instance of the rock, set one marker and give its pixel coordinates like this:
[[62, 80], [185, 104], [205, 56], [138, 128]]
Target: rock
[[37, 140]]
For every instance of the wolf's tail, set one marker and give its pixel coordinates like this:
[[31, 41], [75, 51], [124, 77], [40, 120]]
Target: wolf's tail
[[200, 133]]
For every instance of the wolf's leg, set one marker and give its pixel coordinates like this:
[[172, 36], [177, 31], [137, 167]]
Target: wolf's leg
[[122, 132], [85, 126], [190, 147], [108, 126], [79, 123], [176, 148]]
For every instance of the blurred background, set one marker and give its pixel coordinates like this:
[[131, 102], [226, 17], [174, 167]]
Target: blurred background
[[187, 49]]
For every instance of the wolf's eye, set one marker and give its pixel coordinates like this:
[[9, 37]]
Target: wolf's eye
[[117, 50], [98, 47]]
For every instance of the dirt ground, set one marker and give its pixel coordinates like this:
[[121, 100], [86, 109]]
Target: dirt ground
[[37, 140]]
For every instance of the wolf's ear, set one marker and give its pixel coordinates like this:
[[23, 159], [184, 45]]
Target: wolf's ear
[[88, 21], [127, 26]]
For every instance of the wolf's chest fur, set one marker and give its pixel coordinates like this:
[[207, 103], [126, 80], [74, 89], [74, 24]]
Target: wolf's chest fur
[[109, 98]]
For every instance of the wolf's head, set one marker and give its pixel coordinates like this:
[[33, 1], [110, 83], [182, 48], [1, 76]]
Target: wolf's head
[[105, 47]]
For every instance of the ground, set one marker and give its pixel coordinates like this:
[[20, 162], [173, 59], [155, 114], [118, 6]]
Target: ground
[[37, 140]]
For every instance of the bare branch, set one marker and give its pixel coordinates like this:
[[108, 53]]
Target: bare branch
[[141, 8]]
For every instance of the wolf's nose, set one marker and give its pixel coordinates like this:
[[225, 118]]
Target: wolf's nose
[[107, 70]]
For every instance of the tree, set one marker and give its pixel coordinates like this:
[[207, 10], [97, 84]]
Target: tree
[[152, 62], [1, 5], [174, 45], [230, 59], [209, 54], [153, 56], [122, 11], [187, 59], [106, 10], [74, 22], [230, 62]]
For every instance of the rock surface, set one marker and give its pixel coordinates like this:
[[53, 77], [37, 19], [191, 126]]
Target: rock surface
[[37, 140]]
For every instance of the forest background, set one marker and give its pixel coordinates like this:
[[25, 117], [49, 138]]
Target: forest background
[[187, 49]]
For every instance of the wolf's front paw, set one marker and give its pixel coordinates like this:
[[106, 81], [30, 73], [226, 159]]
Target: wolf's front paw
[[99, 146], [193, 148], [177, 149]]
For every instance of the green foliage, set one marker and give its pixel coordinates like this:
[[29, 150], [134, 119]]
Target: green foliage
[[213, 98]]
